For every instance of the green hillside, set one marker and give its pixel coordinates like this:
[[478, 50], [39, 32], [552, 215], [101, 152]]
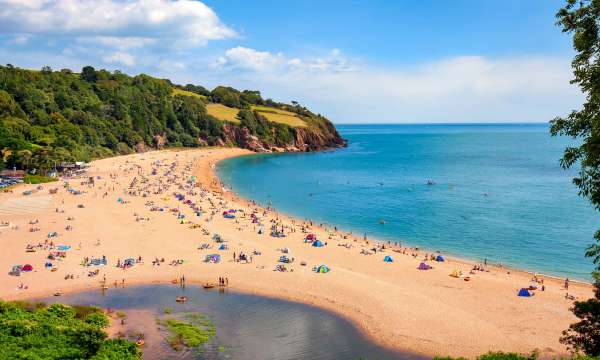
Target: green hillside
[[53, 116]]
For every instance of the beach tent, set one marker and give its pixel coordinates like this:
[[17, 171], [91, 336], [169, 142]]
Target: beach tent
[[129, 262], [217, 238], [16, 270], [524, 292], [213, 258], [317, 243], [63, 247], [440, 258], [388, 258], [311, 237], [423, 266], [322, 269], [27, 267], [223, 247], [284, 259]]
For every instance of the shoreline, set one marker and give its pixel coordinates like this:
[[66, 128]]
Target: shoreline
[[424, 313], [449, 255]]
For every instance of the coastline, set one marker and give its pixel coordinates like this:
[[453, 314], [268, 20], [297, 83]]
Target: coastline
[[465, 260], [398, 308]]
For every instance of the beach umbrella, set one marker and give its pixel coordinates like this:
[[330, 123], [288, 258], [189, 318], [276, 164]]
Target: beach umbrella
[[317, 243], [27, 267], [440, 258]]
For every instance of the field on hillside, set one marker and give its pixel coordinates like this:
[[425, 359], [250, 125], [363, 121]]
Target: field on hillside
[[280, 116], [223, 112], [177, 91]]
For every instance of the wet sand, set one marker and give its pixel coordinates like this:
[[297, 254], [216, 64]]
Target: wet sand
[[396, 305]]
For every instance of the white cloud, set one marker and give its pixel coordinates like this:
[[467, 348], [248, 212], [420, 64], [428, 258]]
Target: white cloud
[[120, 57], [458, 89], [182, 23], [251, 59], [246, 58]]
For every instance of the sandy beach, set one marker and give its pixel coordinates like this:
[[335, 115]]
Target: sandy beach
[[395, 304]]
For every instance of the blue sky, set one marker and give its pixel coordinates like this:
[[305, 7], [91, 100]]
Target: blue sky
[[354, 61], [395, 32]]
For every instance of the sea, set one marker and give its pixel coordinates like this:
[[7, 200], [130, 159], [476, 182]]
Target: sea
[[484, 192]]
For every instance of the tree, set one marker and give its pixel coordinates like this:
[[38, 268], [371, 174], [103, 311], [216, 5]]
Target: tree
[[24, 157], [581, 18], [88, 73]]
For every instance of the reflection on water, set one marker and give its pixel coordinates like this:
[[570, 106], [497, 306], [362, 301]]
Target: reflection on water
[[248, 327]]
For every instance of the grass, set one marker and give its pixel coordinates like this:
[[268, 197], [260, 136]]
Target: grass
[[197, 331], [177, 91], [223, 112], [37, 179], [280, 116]]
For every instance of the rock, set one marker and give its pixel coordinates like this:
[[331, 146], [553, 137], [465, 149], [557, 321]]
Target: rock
[[140, 147], [159, 141]]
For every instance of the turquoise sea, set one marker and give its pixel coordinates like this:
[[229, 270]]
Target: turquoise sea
[[498, 194]]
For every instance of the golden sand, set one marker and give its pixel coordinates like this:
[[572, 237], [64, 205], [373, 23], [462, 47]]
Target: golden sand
[[398, 306]]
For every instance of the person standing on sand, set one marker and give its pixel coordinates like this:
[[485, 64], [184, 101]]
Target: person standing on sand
[[567, 284]]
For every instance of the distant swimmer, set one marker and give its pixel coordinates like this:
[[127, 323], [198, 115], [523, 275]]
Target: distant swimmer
[[381, 183], [430, 182], [485, 194]]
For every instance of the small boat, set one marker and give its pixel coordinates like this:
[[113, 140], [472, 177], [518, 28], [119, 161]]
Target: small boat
[[208, 286], [58, 293], [181, 299], [175, 281], [382, 222]]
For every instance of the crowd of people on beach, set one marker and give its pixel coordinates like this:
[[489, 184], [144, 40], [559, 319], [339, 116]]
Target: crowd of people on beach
[[176, 192]]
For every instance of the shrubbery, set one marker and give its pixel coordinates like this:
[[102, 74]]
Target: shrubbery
[[37, 331]]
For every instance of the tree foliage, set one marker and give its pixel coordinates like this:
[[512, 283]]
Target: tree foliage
[[37, 331], [47, 117], [581, 19]]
